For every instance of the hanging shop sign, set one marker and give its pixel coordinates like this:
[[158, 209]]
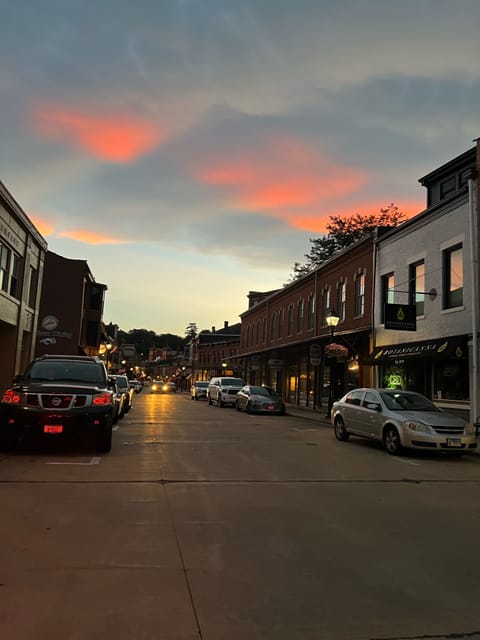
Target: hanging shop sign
[[401, 317]]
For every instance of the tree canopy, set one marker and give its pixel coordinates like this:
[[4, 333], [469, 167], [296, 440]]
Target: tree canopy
[[342, 231]]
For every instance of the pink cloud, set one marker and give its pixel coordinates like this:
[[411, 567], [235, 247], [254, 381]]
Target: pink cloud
[[111, 137], [284, 177], [89, 237], [44, 226]]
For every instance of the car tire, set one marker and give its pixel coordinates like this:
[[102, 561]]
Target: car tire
[[221, 403], [391, 441], [104, 440], [339, 429], [249, 407], [210, 401]]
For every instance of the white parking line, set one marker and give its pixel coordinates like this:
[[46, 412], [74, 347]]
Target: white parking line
[[406, 461], [92, 461]]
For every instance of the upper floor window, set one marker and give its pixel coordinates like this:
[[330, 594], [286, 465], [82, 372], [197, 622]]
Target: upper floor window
[[4, 267], [290, 320], [32, 288], [311, 313], [387, 292], [448, 186], [264, 333], [341, 299], [453, 277], [10, 271], [281, 315], [359, 294], [416, 288], [300, 316], [325, 306], [15, 277], [273, 326]]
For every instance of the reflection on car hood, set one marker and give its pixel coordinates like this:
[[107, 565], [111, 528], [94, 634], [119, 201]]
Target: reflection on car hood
[[431, 418]]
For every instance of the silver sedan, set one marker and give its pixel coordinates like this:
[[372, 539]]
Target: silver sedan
[[256, 399], [400, 419]]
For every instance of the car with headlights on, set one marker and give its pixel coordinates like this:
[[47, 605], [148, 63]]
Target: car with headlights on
[[400, 419], [259, 399], [163, 387], [57, 396], [199, 389]]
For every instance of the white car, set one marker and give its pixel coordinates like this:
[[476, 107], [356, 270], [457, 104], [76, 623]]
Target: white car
[[223, 390], [400, 419]]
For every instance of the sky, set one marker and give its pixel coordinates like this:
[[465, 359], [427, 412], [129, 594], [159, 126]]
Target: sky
[[190, 149]]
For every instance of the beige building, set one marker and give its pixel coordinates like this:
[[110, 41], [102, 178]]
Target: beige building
[[22, 257]]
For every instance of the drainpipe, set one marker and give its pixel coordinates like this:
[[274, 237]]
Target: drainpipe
[[473, 233]]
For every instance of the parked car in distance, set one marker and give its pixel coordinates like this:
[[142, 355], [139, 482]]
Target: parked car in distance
[[57, 396], [256, 399], [126, 389], [136, 385], [223, 390], [163, 387], [118, 401], [199, 389], [400, 419]]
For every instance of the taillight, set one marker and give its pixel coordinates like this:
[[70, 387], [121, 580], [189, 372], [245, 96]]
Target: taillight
[[102, 399], [11, 397]]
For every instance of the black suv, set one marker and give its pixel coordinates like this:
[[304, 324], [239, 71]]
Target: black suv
[[59, 395]]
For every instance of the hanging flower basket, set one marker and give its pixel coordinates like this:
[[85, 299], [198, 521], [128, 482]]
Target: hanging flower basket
[[337, 351]]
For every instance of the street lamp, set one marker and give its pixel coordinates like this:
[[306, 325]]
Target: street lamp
[[332, 321], [108, 348], [224, 366]]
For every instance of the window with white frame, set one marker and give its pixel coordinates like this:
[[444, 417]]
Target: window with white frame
[[341, 299], [387, 292], [325, 306], [300, 308], [416, 288], [290, 320], [359, 294], [453, 276], [311, 312]]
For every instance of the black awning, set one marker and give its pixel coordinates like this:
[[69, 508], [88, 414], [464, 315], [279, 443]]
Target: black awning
[[431, 349]]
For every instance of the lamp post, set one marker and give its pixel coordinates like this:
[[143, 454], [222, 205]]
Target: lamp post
[[224, 367], [332, 321]]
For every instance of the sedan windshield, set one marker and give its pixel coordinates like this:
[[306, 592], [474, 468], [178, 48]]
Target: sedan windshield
[[396, 401]]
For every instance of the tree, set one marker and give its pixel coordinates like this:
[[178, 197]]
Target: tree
[[191, 330], [342, 232]]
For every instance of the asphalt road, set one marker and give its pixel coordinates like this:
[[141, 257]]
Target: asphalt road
[[207, 524]]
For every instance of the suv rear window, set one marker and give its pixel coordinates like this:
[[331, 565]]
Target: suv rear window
[[232, 382], [68, 371]]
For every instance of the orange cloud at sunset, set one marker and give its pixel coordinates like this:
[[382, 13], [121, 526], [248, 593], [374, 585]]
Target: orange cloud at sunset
[[89, 237], [281, 177], [112, 137], [44, 226], [319, 223]]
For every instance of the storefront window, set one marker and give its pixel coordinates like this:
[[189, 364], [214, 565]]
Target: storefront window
[[451, 380]]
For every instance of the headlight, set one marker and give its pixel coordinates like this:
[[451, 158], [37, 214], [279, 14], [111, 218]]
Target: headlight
[[418, 427], [154, 387]]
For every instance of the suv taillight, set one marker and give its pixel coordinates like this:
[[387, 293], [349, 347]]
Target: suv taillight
[[102, 399], [11, 397]]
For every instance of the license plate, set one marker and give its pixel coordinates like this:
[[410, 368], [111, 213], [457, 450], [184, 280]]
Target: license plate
[[53, 428], [454, 442]]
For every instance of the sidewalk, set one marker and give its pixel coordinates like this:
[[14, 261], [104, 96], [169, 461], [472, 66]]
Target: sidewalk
[[309, 414]]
